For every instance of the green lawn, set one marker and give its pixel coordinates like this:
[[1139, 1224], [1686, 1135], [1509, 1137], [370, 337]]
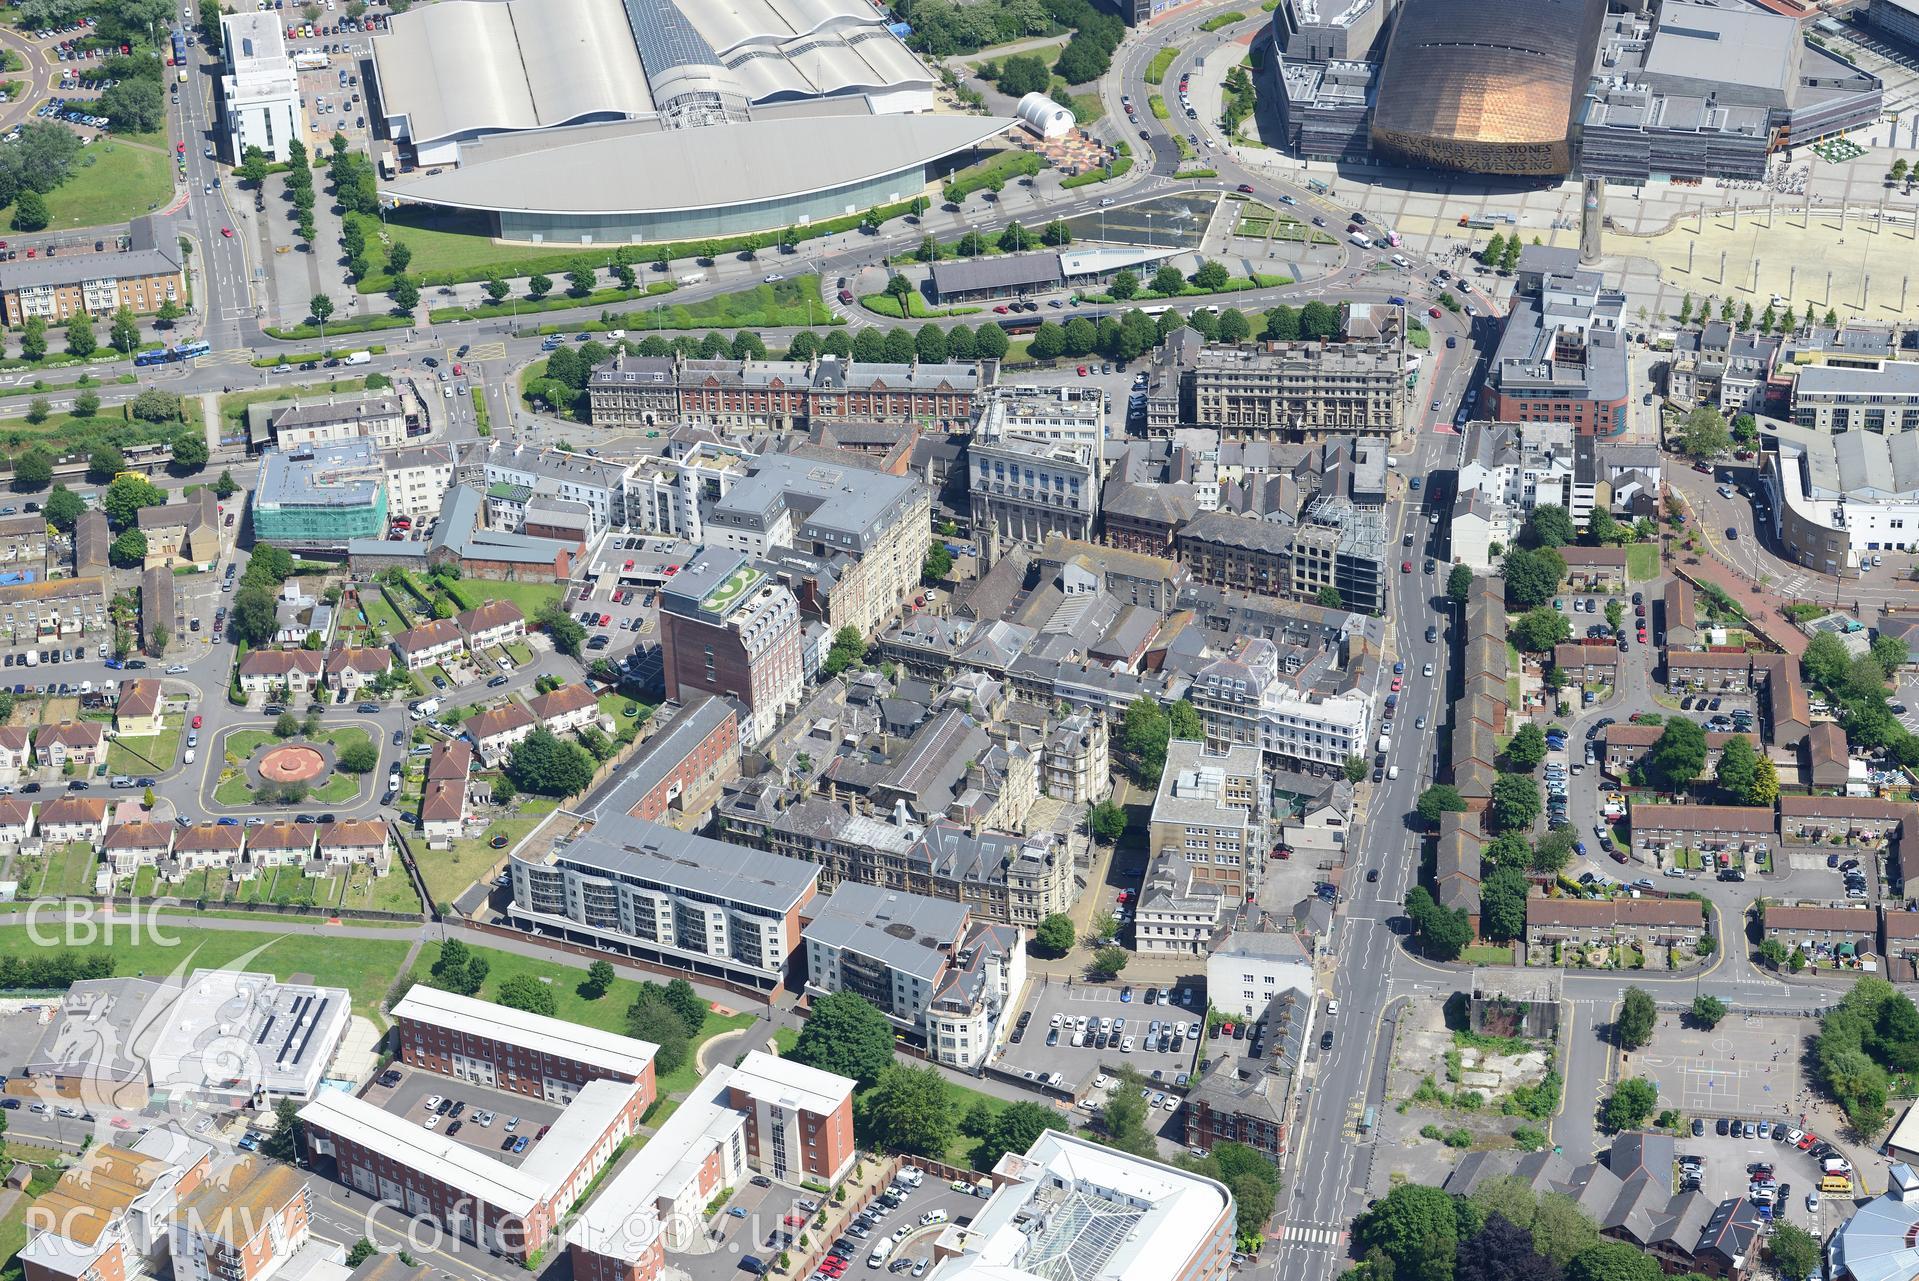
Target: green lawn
[[916, 308], [608, 1013], [339, 786], [1487, 954], [520, 652], [365, 967], [142, 754], [111, 182], [530, 597], [13, 1228], [616, 705], [380, 614], [1642, 561], [1001, 166], [66, 870], [448, 872]]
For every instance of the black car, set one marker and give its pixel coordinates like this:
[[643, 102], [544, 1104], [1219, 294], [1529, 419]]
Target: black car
[[457, 1109], [78, 785], [369, 708], [1372, 875], [431, 362], [1025, 1017], [399, 737], [496, 682], [1326, 1040], [761, 1181]]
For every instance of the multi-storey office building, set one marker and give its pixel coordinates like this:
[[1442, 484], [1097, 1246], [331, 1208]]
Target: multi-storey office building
[[1211, 809], [729, 628], [1025, 491], [321, 497]]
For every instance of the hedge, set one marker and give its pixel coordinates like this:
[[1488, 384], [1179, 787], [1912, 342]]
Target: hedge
[[331, 353], [508, 268], [1118, 169], [559, 302], [356, 325]]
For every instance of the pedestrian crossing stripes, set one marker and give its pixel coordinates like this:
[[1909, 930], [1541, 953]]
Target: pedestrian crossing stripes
[[232, 356], [1308, 1234]]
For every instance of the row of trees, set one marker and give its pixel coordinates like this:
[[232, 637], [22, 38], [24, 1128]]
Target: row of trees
[[1768, 320]]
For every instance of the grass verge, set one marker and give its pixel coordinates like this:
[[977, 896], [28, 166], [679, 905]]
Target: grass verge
[[1156, 69], [916, 308]]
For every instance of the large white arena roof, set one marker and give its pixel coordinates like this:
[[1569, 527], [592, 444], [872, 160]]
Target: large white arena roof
[[696, 169], [460, 69]]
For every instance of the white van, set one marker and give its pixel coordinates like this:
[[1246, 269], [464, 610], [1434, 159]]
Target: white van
[[1392, 771], [692, 277], [880, 1251], [189, 756]]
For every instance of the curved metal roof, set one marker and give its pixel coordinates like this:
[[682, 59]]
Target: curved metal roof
[[645, 170], [1486, 85], [465, 67]]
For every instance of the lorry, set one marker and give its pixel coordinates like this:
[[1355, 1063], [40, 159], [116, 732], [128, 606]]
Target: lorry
[[357, 358]]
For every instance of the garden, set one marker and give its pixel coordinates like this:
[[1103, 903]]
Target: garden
[[294, 763]]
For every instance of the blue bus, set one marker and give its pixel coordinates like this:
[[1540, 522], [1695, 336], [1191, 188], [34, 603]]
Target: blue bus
[[172, 355], [179, 49]]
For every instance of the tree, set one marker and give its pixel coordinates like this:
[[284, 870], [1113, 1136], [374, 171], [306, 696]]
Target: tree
[[33, 338], [687, 1004], [1515, 803], [1328, 597], [1527, 747], [1107, 822], [32, 470], [1795, 1251], [1144, 733], [286, 725], [546, 765], [63, 508], [937, 565], [567, 633], [1765, 783], [1107, 962], [188, 451], [1440, 798], [1532, 576], [124, 334], [1677, 755], [1024, 73], [524, 992], [156, 406], [1631, 1104], [1613, 1261], [169, 313], [129, 549], [1685, 310], [1080, 336], [1772, 952], [458, 969], [929, 344], [1502, 904], [320, 307], [1122, 1123], [1495, 250], [1012, 1129], [1416, 1228], [848, 648], [539, 286], [253, 167], [29, 212], [1443, 933], [284, 1143], [1054, 935], [1168, 280], [1707, 1011], [359, 757], [1738, 763], [1634, 1023], [405, 293], [846, 1034], [104, 463], [599, 980], [496, 289], [1502, 1251], [362, 1250], [1459, 583], [225, 487], [80, 337], [1702, 434], [909, 1110], [1540, 628], [399, 257], [650, 1018], [126, 496], [1549, 526], [268, 564], [254, 618]]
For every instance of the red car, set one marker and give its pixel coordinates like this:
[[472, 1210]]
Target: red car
[[118, 1123], [225, 231], [196, 722], [1001, 309], [1405, 567], [1246, 188], [180, 147], [457, 371], [1433, 312], [1807, 1142], [1082, 371]]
